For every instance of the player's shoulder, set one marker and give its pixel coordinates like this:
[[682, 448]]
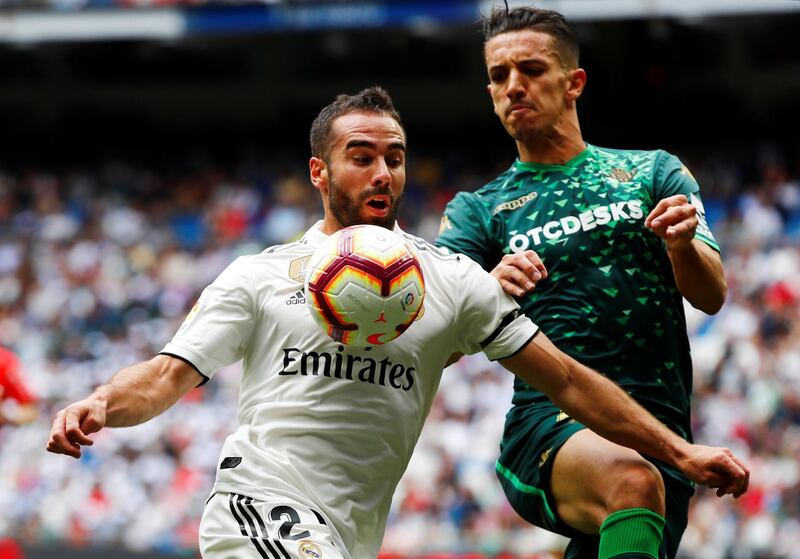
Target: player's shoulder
[[298, 246], [441, 266], [427, 250], [272, 259], [648, 162]]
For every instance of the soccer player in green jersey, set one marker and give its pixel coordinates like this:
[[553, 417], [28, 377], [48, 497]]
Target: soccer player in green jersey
[[600, 246]]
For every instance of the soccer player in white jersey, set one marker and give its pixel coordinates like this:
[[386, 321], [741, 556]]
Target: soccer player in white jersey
[[326, 431]]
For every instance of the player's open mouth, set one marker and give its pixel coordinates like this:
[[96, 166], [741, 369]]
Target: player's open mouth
[[379, 205]]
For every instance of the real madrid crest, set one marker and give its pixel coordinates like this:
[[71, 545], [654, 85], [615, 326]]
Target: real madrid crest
[[309, 549], [297, 268]]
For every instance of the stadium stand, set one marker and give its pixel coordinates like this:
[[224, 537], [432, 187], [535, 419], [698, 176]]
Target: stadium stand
[[98, 266]]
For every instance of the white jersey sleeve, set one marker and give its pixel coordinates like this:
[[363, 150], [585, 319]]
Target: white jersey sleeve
[[215, 332], [489, 320]]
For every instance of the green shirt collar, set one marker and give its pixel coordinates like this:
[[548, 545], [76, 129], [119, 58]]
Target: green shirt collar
[[522, 166]]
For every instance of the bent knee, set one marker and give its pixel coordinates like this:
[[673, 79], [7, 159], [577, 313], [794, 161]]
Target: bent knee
[[634, 484]]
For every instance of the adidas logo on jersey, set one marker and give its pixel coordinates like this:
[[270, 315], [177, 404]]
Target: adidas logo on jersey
[[298, 298]]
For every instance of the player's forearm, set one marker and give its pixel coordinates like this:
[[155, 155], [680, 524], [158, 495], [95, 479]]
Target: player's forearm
[[594, 400], [699, 275], [142, 391], [604, 407]]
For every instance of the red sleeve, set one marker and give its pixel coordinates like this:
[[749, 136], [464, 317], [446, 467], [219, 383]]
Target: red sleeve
[[10, 380]]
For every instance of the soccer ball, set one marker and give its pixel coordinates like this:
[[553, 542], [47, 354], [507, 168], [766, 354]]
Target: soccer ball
[[364, 286]]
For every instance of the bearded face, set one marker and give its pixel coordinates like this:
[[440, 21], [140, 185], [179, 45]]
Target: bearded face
[[374, 206]]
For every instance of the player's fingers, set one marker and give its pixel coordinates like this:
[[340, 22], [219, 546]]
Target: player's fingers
[[743, 487], [73, 427], [524, 262], [745, 481], [686, 228], [673, 215], [659, 209], [537, 263], [736, 473], [92, 423], [515, 283], [523, 279], [511, 288], [63, 446], [663, 205], [58, 442]]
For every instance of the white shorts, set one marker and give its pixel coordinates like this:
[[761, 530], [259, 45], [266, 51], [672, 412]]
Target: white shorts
[[239, 527]]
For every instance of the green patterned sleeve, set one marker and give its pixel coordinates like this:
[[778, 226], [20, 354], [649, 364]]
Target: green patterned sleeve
[[465, 229], [673, 177]]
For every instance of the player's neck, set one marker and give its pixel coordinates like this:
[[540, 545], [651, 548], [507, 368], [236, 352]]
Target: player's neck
[[563, 143], [330, 224]]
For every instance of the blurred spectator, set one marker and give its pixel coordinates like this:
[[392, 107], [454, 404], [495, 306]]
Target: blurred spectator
[[17, 404]]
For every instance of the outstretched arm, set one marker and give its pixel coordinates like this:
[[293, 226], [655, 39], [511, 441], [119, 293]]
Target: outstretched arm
[[133, 395], [604, 407], [697, 267]]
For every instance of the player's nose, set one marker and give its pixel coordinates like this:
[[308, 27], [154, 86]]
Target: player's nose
[[515, 86], [381, 175]]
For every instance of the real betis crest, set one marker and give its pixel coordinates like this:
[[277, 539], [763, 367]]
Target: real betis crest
[[622, 175]]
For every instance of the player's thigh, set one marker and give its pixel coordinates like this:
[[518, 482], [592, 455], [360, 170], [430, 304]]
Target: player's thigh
[[592, 477], [678, 494], [240, 527]]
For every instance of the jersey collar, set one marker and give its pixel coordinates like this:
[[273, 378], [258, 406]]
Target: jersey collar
[[315, 236], [523, 166]]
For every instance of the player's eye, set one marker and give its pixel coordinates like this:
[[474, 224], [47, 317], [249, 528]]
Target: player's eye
[[498, 76]]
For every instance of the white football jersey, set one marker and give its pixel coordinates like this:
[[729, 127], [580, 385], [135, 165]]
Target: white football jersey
[[327, 425]]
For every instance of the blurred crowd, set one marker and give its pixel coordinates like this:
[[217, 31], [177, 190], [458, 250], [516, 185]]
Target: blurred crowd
[[99, 265]]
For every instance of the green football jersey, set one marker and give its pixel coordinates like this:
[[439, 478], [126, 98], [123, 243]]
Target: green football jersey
[[610, 300]]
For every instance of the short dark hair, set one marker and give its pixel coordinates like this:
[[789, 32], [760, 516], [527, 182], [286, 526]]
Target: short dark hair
[[373, 100], [551, 22]]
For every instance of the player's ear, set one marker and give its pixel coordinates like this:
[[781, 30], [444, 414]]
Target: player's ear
[[318, 171], [577, 81]]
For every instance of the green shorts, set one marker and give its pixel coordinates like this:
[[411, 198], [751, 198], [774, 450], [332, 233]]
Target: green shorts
[[533, 435]]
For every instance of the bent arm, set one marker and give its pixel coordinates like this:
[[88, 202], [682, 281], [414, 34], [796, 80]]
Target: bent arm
[[605, 408], [595, 401], [699, 275], [133, 395]]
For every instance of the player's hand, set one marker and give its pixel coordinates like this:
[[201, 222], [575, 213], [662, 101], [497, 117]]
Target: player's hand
[[717, 468], [73, 425], [519, 272], [673, 219]]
